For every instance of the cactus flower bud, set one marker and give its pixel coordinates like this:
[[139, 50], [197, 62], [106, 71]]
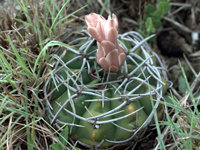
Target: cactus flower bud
[[110, 55]]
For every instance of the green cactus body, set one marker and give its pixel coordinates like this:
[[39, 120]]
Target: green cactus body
[[62, 88], [105, 108], [132, 122], [93, 134], [79, 108]]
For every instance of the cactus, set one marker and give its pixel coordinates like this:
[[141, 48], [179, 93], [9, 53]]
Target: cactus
[[104, 106]]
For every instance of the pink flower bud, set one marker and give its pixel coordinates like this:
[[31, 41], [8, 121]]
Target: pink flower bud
[[110, 55]]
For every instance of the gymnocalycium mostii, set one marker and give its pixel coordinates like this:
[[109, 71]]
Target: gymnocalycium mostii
[[105, 82]]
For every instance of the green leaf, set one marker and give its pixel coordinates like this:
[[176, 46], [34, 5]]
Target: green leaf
[[64, 138], [19, 58], [57, 146], [104, 5], [24, 22], [163, 7], [147, 16], [142, 33], [150, 8], [54, 21], [45, 48], [182, 86], [149, 25], [158, 14], [157, 23], [65, 18], [170, 98]]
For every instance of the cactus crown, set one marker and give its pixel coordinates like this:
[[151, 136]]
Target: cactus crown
[[103, 108]]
